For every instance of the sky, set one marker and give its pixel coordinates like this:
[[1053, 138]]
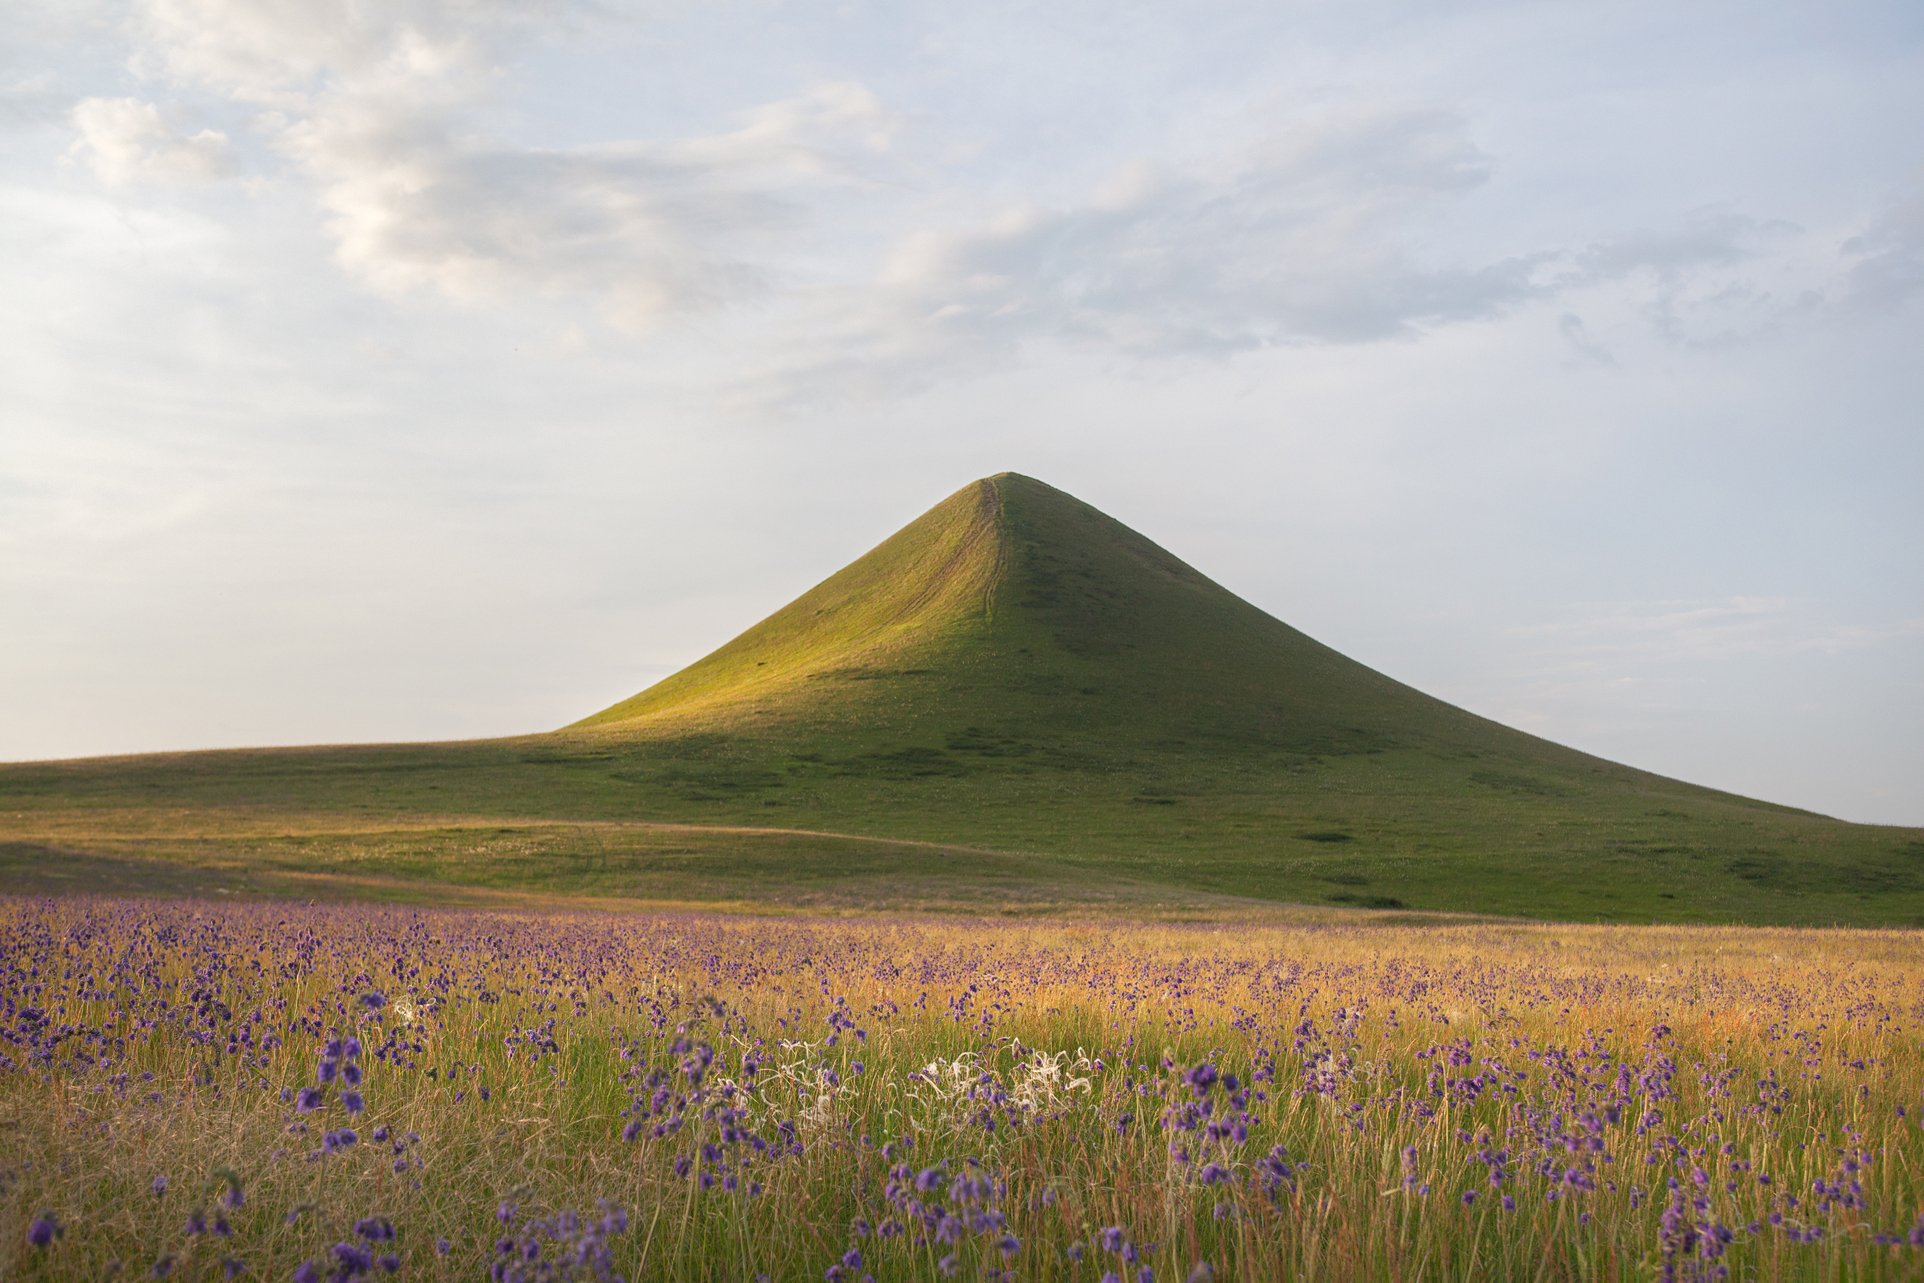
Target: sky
[[452, 368]]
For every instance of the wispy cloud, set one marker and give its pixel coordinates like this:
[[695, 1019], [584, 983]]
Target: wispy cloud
[[1704, 238], [645, 230], [1594, 633], [32, 100], [1887, 267], [1301, 239], [1582, 342], [125, 140]]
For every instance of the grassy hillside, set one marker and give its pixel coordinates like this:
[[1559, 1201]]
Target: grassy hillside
[[1015, 701]]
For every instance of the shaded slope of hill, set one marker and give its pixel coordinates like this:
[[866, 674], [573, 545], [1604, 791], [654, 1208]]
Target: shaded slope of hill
[[1019, 675]]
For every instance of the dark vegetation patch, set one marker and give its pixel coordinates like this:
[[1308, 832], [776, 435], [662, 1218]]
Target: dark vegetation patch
[[1327, 835], [1879, 878], [1344, 878], [1342, 741], [973, 739], [1367, 901], [1861, 877], [683, 748], [1757, 869], [1646, 848], [706, 781], [1515, 782], [914, 761]]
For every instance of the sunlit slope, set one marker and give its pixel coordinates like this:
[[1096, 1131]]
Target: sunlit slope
[[927, 596], [1014, 701]]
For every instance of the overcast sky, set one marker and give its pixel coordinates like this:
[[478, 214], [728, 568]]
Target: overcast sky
[[447, 368]]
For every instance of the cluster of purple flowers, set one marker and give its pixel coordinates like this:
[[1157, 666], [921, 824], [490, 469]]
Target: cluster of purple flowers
[[1125, 1257], [952, 1214], [562, 1248], [339, 1070]]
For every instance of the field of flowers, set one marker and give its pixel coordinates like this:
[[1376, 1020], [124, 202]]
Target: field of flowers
[[200, 1091]]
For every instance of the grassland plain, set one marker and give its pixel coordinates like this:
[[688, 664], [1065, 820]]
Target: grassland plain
[[195, 1090], [1014, 704]]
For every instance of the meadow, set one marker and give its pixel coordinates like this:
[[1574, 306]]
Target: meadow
[[195, 1089]]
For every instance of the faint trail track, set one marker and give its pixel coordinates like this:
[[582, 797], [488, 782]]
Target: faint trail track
[[987, 525]]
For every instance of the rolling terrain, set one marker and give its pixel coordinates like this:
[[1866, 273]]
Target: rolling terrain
[[1015, 702]]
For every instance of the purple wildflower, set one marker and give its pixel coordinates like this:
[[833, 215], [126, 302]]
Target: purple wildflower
[[352, 1259]]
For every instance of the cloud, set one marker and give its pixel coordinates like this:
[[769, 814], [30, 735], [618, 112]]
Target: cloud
[[1888, 269], [1702, 281], [645, 229], [1707, 238], [283, 53], [1613, 634], [1299, 240], [1294, 243], [374, 104], [32, 100], [1582, 342], [125, 140]]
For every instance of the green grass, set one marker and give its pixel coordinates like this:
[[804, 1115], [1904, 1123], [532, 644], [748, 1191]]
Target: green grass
[[1016, 674]]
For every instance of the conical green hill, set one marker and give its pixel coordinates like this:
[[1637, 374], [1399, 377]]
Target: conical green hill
[[1014, 611]]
